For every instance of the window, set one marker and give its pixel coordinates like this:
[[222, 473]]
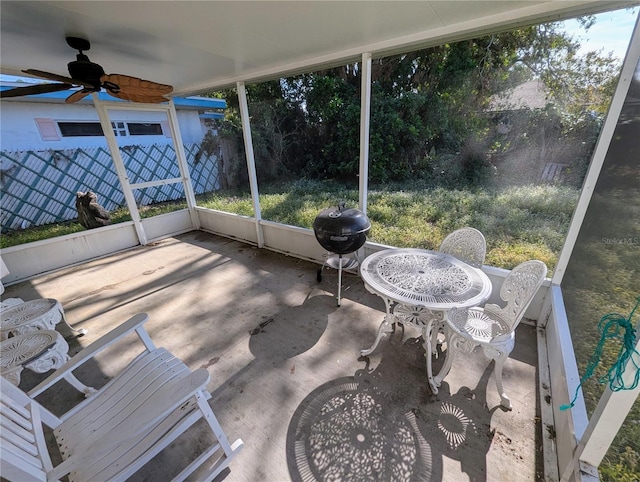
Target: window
[[119, 129], [80, 129], [147, 129], [47, 129]]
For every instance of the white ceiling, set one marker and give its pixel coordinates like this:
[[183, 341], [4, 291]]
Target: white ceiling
[[198, 46]]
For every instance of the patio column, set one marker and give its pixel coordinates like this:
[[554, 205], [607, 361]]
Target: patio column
[[365, 119], [182, 165], [593, 436], [251, 162], [112, 143]]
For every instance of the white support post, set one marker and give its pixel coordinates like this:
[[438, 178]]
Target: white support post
[[606, 420], [251, 162], [365, 121], [182, 164], [112, 143]]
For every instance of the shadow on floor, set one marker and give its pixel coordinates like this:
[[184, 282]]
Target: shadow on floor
[[384, 424]]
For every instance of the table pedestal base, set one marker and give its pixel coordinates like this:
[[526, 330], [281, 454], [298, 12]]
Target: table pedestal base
[[385, 327], [426, 324]]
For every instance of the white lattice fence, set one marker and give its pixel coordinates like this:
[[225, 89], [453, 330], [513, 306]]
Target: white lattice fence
[[39, 187]]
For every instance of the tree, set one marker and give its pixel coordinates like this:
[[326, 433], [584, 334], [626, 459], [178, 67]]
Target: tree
[[429, 107]]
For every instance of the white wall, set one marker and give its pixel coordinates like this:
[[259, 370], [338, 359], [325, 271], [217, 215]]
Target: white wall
[[19, 131], [192, 128]]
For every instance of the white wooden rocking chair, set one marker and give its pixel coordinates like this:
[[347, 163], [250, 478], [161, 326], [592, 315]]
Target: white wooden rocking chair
[[116, 431]]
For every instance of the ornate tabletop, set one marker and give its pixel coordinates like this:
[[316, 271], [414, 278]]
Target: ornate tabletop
[[421, 277], [39, 351]]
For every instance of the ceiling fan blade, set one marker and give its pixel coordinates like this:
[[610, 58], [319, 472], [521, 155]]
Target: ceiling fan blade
[[78, 95], [59, 78], [34, 89], [134, 85], [142, 98]]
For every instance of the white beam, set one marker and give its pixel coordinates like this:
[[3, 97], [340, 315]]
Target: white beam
[[365, 120], [181, 158], [160, 182], [569, 425], [600, 152], [112, 143], [251, 162]]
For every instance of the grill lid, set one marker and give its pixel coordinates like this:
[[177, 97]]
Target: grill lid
[[339, 220]]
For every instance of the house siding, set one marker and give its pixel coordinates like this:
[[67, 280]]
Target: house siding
[[19, 129]]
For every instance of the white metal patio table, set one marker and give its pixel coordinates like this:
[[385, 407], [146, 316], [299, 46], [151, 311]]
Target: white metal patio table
[[425, 282], [39, 314]]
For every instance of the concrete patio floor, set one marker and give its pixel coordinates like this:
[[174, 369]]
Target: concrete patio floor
[[286, 375]]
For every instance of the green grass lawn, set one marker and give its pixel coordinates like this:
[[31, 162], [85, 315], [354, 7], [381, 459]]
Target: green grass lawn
[[519, 223]]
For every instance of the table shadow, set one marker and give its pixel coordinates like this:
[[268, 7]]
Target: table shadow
[[385, 424]]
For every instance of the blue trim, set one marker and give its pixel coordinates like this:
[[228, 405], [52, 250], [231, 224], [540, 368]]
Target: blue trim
[[184, 102], [211, 115], [205, 102]]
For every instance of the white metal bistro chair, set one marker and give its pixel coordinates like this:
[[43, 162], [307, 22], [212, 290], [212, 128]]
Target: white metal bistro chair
[[466, 244], [492, 327], [112, 434]]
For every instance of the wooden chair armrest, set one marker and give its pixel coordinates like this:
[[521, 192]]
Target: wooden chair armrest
[[87, 353]]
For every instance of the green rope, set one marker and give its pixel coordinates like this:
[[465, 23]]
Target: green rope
[[610, 326]]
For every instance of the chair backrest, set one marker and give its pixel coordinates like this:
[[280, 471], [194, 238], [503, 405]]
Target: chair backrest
[[518, 290], [466, 244], [24, 454]]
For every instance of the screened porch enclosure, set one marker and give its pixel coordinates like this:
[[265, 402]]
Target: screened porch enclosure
[[596, 271]]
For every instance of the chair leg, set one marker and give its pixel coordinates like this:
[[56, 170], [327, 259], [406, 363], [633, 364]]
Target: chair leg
[[497, 370], [229, 450], [78, 385]]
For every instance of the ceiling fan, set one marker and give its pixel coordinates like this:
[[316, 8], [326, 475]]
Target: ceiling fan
[[91, 77]]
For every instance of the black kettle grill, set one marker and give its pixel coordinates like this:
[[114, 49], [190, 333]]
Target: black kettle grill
[[340, 230]]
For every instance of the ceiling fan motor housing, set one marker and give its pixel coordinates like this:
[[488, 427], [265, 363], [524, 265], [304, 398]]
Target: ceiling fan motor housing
[[85, 70]]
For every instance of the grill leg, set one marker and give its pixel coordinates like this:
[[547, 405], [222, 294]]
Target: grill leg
[[319, 273]]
